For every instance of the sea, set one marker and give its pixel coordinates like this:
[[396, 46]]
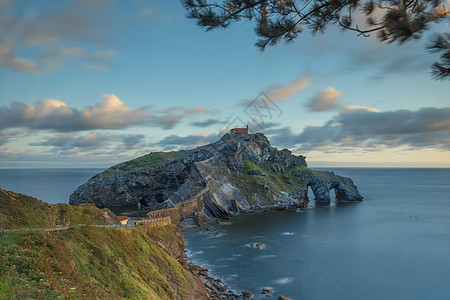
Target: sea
[[50, 185], [393, 245]]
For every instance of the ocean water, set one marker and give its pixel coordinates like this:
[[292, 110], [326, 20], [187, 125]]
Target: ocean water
[[50, 185], [393, 245]]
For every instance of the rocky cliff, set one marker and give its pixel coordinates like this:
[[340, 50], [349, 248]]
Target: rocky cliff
[[241, 172]]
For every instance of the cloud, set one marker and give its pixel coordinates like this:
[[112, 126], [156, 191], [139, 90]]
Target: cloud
[[440, 140], [5, 136], [53, 59], [4, 154], [39, 37], [326, 100], [132, 141], [206, 123], [173, 115], [280, 93], [111, 113], [99, 59], [384, 60], [370, 129], [366, 122], [356, 107], [20, 64], [87, 149], [70, 141], [93, 140], [47, 34], [282, 137], [175, 141]]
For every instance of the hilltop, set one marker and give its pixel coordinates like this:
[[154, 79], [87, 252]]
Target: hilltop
[[18, 210], [241, 172]]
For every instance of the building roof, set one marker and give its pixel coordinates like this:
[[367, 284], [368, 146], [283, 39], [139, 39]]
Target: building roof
[[123, 218], [239, 130]]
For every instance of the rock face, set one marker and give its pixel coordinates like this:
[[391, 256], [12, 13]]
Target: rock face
[[155, 185], [241, 172]]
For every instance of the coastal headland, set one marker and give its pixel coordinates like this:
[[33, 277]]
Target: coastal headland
[[80, 250], [237, 173]]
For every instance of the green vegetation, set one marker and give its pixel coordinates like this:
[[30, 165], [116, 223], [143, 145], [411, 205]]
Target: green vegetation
[[84, 214], [18, 210], [84, 262], [168, 234], [147, 160], [254, 184], [324, 175], [9, 238], [257, 187], [88, 263]]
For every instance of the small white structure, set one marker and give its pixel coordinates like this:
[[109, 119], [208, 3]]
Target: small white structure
[[123, 220]]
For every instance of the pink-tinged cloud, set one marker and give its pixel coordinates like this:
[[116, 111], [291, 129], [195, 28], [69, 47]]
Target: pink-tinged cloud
[[326, 100], [111, 113], [357, 107], [280, 93]]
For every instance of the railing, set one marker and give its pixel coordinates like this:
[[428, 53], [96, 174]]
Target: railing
[[156, 222], [53, 229]]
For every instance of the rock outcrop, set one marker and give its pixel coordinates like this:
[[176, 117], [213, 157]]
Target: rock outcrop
[[156, 184], [240, 172]]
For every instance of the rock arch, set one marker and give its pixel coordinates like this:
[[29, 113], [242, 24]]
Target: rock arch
[[344, 188]]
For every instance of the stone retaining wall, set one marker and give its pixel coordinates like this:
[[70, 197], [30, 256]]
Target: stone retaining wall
[[182, 210], [156, 222]]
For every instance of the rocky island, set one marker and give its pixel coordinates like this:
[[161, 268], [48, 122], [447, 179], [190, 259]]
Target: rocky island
[[238, 173]]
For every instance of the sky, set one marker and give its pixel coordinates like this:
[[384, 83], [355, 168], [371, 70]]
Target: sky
[[96, 83]]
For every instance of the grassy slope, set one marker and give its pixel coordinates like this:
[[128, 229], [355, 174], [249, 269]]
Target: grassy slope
[[84, 262], [89, 263], [150, 159], [18, 210]]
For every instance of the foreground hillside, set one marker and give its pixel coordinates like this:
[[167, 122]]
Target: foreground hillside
[[89, 262], [240, 173], [18, 210]]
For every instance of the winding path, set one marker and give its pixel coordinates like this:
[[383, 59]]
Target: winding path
[[153, 222]]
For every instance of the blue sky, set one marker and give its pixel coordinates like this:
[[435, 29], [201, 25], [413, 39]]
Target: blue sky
[[94, 83]]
